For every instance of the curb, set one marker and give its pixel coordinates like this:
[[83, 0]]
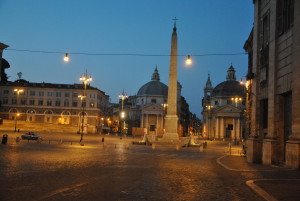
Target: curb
[[259, 190], [237, 170]]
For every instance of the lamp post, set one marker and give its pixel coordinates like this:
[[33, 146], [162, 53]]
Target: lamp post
[[101, 125], [18, 91], [208, 107], [16, 119], [236, 100], [122, 97], [85, 78], [82, 115]]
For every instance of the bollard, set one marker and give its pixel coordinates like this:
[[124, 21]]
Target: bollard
[[201, 148], [17, 139], [103, 140], [4, 139]]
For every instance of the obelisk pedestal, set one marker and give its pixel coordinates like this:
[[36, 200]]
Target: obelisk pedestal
[[171, 128]]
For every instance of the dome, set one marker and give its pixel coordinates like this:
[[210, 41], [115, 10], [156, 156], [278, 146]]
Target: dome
[[230, 88], [155, 88]]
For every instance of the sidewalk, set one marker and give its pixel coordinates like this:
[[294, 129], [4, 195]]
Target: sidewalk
[[273, 183]]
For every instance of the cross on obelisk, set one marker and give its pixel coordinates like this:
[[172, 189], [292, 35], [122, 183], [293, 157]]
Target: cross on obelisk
[[171, 119], [175, 19]]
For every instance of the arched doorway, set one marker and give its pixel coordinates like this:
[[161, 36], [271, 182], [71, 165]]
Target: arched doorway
[[12, 113], [65, 117], [31, 115], [48, 116]]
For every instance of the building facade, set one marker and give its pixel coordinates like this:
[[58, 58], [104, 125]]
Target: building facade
[[223, 109], [273, 97], [55, 104]]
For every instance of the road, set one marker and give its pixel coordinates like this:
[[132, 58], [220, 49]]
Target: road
[[115, 171]]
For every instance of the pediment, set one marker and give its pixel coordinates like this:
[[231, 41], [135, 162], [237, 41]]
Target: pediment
[[152, 106], [228, 109]]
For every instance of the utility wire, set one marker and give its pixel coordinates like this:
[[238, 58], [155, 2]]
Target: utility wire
[[125, 54]]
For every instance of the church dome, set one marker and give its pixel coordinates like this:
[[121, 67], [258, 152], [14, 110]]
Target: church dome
[[229, 88], [154, 87]]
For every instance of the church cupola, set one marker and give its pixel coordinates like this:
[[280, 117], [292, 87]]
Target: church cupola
[[208, 86], [155, 75], [231, 74]]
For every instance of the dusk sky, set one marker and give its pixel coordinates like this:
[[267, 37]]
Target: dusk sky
[[141, 27]]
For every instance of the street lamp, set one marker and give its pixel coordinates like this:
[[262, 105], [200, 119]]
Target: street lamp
[[66, 57], [16, 119], [236, 100], [209, 107], [188, 61], [101, 125], [18, 91], [122, 97], [82, 115], [85, 78]]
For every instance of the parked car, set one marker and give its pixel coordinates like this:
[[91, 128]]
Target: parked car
[[30, 136]]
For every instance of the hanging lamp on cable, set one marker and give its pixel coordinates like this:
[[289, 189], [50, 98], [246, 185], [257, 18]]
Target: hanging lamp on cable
[[188, 60], [66, 57]]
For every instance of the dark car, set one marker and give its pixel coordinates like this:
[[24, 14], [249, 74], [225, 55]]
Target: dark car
[[30, 136]]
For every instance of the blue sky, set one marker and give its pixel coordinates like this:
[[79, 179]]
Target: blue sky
[[125, 27]]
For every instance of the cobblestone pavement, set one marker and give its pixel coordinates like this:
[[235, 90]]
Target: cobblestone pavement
[[118, 170]]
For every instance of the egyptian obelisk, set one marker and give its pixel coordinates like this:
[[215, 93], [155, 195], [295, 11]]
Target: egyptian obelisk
[[171, 119]]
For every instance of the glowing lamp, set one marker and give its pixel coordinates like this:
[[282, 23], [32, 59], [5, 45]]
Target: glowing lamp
[[188, 60], [122, 114], [66, 58]]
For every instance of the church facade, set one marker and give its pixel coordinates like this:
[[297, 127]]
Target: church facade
[[145, 112], [223, 109]]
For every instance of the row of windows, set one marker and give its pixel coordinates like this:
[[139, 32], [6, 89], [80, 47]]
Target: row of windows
[[58, 103], [153, 100], [284, 21], [229, 102], [53, 94]]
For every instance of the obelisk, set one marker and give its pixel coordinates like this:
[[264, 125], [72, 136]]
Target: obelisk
[[171, 119]]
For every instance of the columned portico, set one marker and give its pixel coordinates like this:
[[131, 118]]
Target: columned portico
[[217, 128], [222, 128]]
